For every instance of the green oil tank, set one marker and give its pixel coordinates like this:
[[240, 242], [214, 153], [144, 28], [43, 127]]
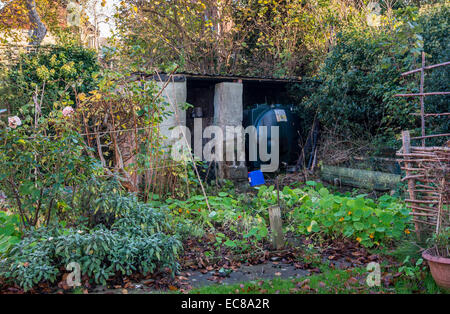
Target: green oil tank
[[289, 128]]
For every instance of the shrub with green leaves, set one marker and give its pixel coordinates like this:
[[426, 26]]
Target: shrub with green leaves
[[361, 75], [246, 230], [434, 22], [9, 231], [37, 170], [313, 210], [135, 243], [441, 243], [58, 73]]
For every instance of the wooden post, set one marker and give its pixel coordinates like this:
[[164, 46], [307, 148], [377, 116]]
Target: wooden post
[[406, 139], [422, 98], [440, 206], [278, 192], [276, 226]]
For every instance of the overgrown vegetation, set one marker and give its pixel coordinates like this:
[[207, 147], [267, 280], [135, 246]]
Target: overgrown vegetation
[[85, 176], [361, 75], [48, 76], [136, 242], [38, 169], [9, 232], [315, 211]]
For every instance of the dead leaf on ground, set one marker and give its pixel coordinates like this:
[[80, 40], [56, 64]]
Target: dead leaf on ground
[[352, 281], [306, 288], [304, 282]]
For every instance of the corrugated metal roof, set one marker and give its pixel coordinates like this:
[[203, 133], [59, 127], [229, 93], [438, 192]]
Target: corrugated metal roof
[[178, 77]]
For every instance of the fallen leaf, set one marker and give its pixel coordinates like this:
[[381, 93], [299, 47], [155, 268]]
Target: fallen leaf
[[372, 257], [352, 280], [304, 282], [148, 282], [306, 288]]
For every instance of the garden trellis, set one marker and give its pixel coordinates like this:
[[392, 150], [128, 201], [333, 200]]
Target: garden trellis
[[427, 168], [422, 96]]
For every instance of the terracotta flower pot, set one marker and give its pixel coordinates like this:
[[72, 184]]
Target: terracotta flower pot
[[440, 268]]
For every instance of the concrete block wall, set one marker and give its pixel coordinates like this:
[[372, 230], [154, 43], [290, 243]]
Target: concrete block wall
[[228, 111], [228, 104], [175, 94]]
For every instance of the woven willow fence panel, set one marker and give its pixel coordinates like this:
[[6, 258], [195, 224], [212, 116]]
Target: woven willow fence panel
[[427, 173]]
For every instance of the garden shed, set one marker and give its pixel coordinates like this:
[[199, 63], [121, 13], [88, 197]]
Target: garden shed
[[219, 100]]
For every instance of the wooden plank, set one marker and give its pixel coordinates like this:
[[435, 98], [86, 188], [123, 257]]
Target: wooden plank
[[422, 94], [409, 177], [276, 227], [429, 136], [426, 68], [406, 140], [422, 201], [432, 114], [430, 148], [426, 222], [422, 98], [424, 214]]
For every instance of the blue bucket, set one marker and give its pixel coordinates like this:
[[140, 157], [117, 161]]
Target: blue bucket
[[256, 178]]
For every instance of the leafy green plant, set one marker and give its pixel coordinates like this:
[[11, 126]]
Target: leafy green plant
[[434, 21], [235, 226], [412, 269], [361, 74], [50, 72], [315, 211], [9, 232], [440, 242], [135, 243], [38, 170]]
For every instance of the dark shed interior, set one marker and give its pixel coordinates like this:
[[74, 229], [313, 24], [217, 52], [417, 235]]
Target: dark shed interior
[[200, 94]]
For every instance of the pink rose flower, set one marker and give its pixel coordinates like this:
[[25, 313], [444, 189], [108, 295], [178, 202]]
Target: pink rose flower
[[14, 122], [67, 111]]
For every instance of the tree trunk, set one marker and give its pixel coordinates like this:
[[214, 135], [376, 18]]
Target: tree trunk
[[376, 180], [39, 29]]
